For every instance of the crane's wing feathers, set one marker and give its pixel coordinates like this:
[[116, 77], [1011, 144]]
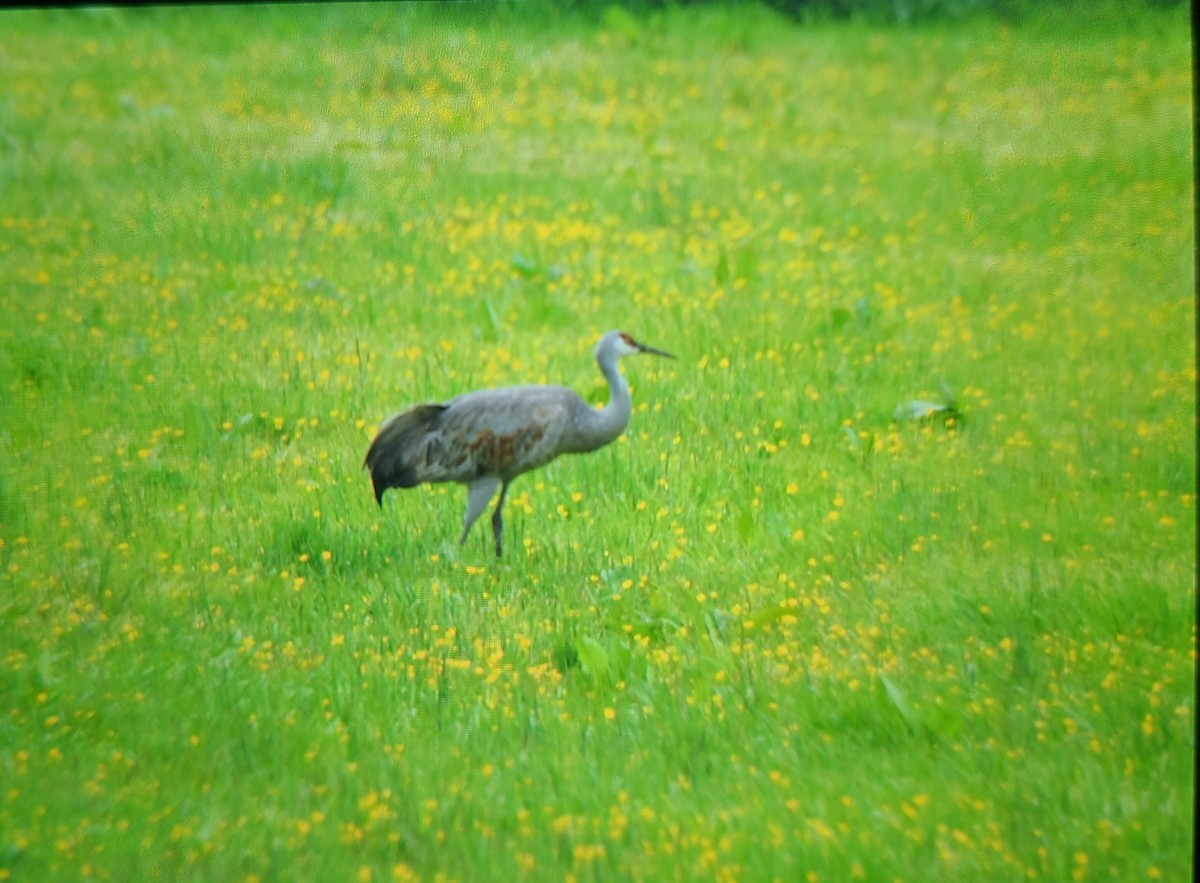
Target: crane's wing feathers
[[500, 432], [389, 457]]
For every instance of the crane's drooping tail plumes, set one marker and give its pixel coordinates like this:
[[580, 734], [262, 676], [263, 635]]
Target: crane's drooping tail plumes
[[390, 457]]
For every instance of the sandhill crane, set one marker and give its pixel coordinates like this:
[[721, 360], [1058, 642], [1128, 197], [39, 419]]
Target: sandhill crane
[[487, 438]]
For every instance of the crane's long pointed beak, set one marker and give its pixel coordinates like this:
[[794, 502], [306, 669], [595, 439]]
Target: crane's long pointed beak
[[652, 351]]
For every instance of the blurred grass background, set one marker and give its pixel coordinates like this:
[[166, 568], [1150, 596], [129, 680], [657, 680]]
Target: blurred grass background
[[773, 633]]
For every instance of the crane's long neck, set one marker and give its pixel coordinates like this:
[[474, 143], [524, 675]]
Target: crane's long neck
[[610, 421]]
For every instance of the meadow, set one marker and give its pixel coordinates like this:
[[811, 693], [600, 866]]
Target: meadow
[[786, 628]]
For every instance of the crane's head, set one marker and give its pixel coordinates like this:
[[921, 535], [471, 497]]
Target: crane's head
[[618, 344]]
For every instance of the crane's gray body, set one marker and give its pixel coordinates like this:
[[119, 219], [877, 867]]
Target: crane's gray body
[[485, 439], [499, 432]]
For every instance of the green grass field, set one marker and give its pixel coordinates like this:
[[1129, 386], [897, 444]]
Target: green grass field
[[773, 633]]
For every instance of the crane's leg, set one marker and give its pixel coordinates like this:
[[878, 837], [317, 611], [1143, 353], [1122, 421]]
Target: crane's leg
[[498, 519], [478, 494]]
